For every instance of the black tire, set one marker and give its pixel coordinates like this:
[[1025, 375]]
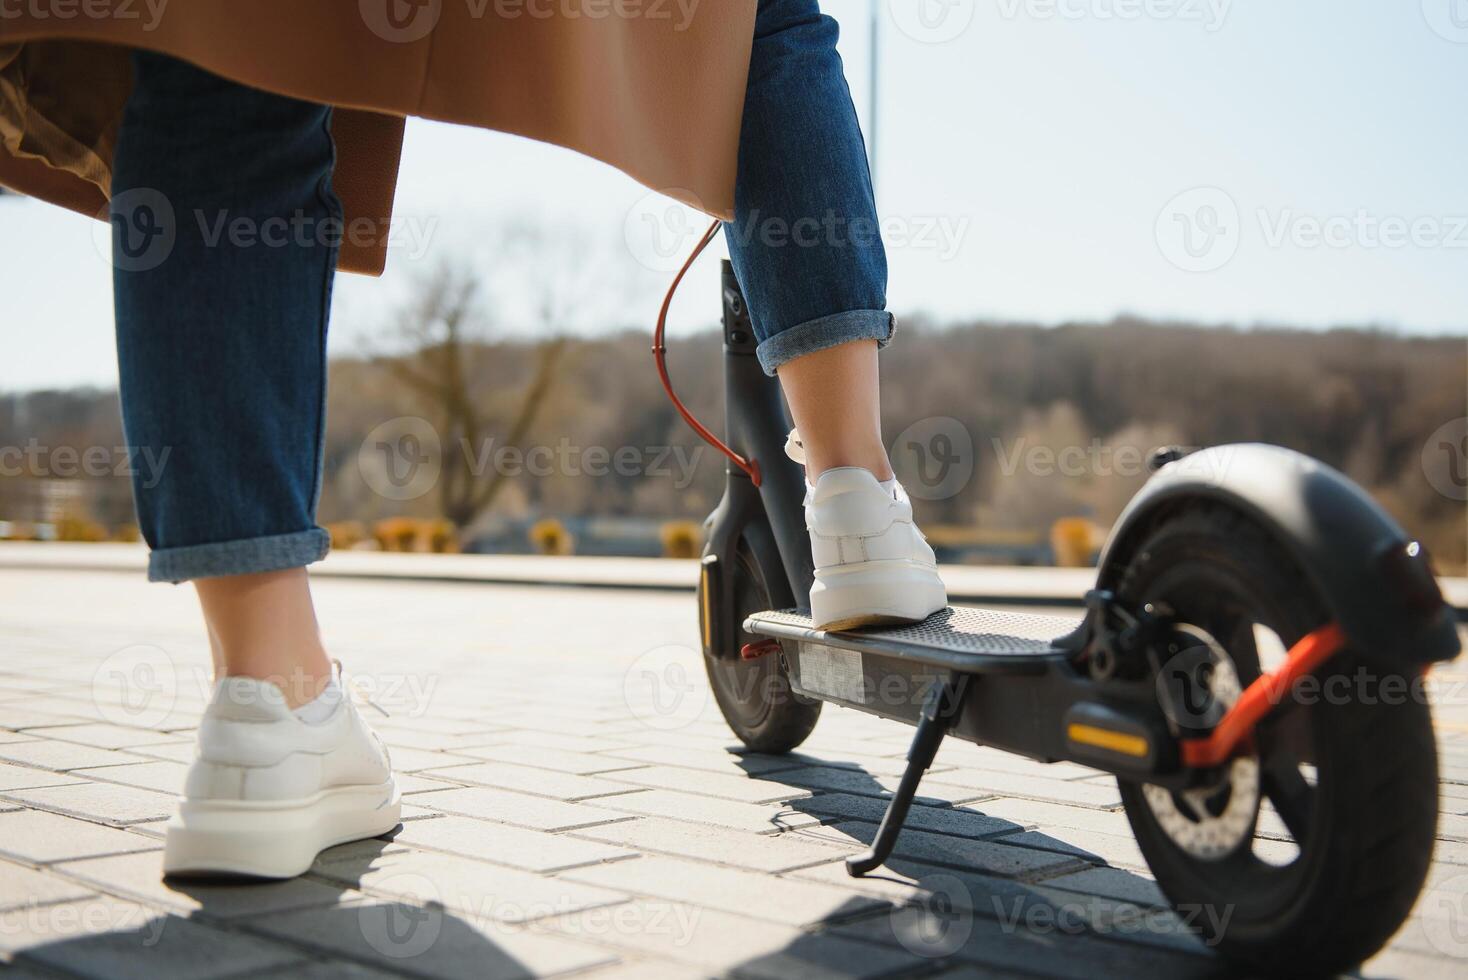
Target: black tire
[[1365, 827], [755, 695]]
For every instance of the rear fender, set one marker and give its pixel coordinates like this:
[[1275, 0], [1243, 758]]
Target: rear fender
[[1376, 581]]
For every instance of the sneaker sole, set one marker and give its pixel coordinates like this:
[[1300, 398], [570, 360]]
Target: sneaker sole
[[875, 593], [274, 839]]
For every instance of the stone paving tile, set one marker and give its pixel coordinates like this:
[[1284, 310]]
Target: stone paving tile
[[412, 760], [1026, 945], [931, 792], [432, 942], [759, 818], [1112, 883], [727, 944], [535, 812], [1088, 845], [526, 779], [566, 741], [470, 887], [992, 857], [783, 900], [956, 821], [161, 777], [108, 736], [560, 760], [1036, 813], [714, 760], [720, 845], [104, 802], [875, 765], [24, 777], [140, 876], [61, 756], [172, 751], [740, 788], [22, 887], [39, 837], [1103, 796], [531, 850], [113, 938]]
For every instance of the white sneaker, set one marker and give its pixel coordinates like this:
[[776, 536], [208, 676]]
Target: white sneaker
[[873, 565], [268, 791]]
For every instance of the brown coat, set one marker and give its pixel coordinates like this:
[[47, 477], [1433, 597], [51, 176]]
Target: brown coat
[[653, 87]]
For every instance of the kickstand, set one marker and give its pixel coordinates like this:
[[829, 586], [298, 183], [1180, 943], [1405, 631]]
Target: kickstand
[[938, 711]]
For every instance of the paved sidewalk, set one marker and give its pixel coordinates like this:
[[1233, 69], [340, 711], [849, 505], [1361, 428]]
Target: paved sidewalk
[[572, 806]]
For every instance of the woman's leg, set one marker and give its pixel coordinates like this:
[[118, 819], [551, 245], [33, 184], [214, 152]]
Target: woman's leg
[[225, 233], [805, 241], [807, 249], [222, 232]]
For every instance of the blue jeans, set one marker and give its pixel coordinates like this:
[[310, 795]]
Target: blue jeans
[[222, 304]]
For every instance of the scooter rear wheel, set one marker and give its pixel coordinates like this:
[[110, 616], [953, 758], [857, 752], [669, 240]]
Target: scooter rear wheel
[[755, 695], [1349, 774]]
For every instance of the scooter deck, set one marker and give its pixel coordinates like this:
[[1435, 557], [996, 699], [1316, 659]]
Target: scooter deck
[[961, 638]]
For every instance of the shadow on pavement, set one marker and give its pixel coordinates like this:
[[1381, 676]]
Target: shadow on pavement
[[1022, 923]]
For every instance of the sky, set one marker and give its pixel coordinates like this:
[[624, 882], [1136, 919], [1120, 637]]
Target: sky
[[1224, 161]]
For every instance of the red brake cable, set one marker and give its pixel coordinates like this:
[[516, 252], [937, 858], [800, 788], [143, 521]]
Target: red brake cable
[[660, 356]]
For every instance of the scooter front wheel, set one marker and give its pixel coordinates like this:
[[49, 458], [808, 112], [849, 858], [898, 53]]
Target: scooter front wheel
[[755, 695], [1306, 854]]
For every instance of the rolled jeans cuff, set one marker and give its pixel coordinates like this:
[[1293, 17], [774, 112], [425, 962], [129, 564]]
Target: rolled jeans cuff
[[245, 556], [826, 331]]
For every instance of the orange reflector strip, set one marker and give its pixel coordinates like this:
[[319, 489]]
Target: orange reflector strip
[[1260, 697], [1105, 738], [708, 618]]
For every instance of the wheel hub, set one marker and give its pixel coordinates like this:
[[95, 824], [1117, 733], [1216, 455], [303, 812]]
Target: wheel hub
[[1197, 685]]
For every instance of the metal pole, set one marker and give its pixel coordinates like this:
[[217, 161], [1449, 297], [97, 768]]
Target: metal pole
[[874, 88]]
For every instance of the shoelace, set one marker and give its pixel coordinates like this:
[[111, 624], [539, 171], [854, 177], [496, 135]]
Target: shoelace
[[355, 690]]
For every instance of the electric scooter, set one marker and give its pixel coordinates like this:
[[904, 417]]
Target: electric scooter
[[1239, 580]]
